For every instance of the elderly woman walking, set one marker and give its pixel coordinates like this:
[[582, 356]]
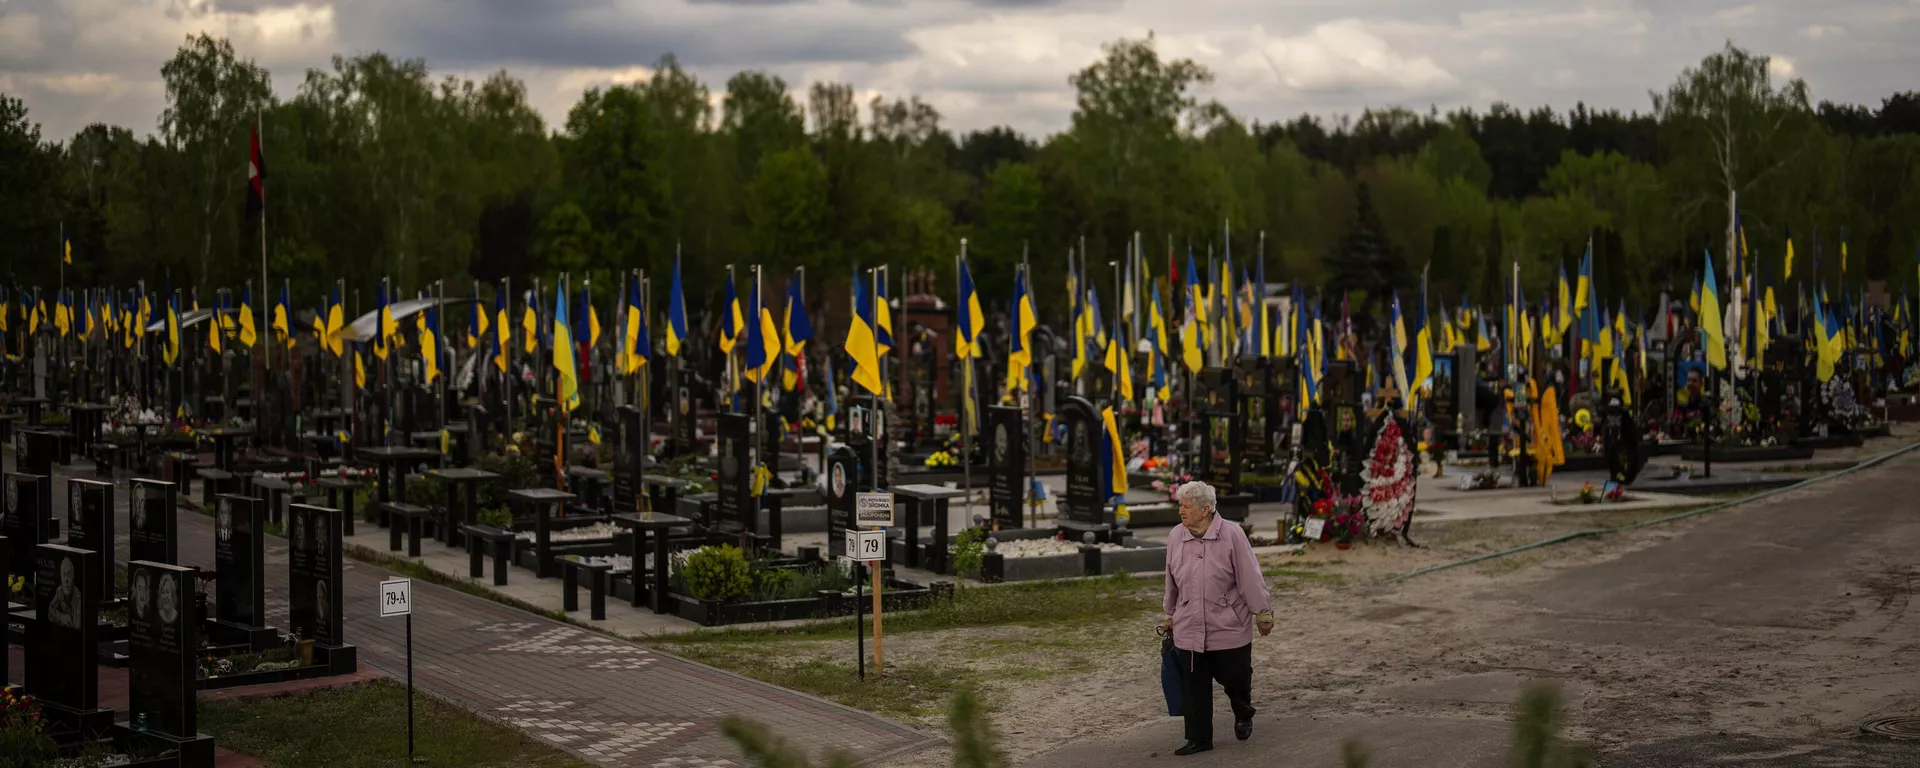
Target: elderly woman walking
[[1216, 596]]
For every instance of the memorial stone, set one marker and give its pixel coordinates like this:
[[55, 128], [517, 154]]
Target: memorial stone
[[151, 534], [735, 486], [314, 565], [90, 521], [239, 557], [25, 522], [1007, 460], [843, 481], [161, 644], [62, 663], [1085, 499]]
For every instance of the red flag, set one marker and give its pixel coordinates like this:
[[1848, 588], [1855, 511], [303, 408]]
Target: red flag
[[256, 177]]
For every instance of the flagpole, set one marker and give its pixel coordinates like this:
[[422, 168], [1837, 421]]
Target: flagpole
[[259, 129], [1026, 384], [964, 332], [799, 372]]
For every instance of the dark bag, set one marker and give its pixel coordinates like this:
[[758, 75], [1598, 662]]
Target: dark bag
[[1171, 676]]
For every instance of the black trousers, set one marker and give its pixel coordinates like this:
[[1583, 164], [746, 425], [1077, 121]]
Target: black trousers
[[1233, 667]]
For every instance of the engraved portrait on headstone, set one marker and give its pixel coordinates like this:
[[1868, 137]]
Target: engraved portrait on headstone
[[142, 589], [65, 610]]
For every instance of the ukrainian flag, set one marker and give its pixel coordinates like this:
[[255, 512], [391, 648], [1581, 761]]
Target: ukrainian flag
[[173, 329], [503, 331], [635, 328], [568, 392], [798, 331], [1116, 454], [282, 322], [731, 321], [971, 321], [1710, 320], [883, 333], [860, 340], [1196, 321], [249, 333], [676, 314], [1020, 358], [384, 316], [336, 321]]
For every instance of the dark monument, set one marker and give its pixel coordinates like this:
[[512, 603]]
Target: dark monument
[[150, 531], [162, 640], [1006, 435], [1257, 445], [313, 563], [684, 415], [25, 522], [62, 644], [1085, 501], [735, 486], [239, 559], [843, 481], [90, 522]]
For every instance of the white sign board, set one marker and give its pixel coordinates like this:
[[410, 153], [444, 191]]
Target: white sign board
[[873, 510], [1314, 528], [866, 546], [396, 598]]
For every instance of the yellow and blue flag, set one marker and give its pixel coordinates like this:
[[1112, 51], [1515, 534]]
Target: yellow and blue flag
[[731, 321], [1020, 354], [282, 322], [971, 320], [1710, 320], [861, 346], [249, 334], [568, 390], [676, 313]]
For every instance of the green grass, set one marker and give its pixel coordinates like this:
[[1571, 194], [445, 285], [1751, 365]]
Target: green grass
[[1077, 601], [365, 725], [904, 691]]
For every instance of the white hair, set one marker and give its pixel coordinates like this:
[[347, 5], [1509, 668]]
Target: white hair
[[1197, 493]]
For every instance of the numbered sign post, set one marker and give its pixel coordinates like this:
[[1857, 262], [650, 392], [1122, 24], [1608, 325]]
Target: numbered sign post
[[396, 599], [874, 510]]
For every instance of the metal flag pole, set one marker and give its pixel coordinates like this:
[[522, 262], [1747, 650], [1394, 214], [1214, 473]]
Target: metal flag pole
[[800, 371], [259, 130], [1031, 401], [966, 384]]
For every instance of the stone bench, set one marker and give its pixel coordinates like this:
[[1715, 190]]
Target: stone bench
[[410, 517], [572, 569], [481, 538], [213, 482], [180, 469], [104, 456]]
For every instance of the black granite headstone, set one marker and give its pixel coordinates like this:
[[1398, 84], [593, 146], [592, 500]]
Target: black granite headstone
[[1085, 498], [684, 416], [1220, 441], [314, 567], [6, 566], [90, 521], [161, 643], [1007, 460], [633, 457], [1443, 402], [239, 559], [735, 484], [62, 659], [25, 510], [151, 534], [1255, 409], [843, 481]]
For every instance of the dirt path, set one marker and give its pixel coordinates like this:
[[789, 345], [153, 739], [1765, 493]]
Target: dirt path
[[1771, 629]]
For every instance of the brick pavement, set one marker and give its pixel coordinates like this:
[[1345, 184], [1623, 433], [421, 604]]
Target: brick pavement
[[610, 701]]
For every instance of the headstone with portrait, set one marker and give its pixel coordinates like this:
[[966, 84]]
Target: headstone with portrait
[[685, 414], [314, 570], [25, 503], [843, 482], [62, 669], [1006, 436], [239, 560], [1222, 428], [151, 532], [735, 484], [1085, 501], [161, 644], [1255, 409], [90, 521]]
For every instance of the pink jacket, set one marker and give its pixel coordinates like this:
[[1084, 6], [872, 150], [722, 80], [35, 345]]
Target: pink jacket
[[1214, 587]]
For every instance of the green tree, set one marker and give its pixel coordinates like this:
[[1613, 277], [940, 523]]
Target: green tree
[[213, 97], [787, 205], [1730, 132]]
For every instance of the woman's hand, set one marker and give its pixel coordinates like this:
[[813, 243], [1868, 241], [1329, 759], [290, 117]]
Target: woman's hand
[[1264, 622], [1165, 627]]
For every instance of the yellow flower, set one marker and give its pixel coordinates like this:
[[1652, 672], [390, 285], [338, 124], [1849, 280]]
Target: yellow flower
[[1583, 418]]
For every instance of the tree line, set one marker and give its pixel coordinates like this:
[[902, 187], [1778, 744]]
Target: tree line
[[378, 167]]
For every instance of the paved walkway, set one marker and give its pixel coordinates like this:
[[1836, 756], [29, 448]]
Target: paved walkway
[[610, 701]]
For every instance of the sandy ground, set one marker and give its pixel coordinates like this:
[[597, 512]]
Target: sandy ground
[[1701, 626]]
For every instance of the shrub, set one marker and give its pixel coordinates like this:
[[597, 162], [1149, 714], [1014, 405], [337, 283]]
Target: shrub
[[969, 552], [718, 573], [23, 737], [497, 517]]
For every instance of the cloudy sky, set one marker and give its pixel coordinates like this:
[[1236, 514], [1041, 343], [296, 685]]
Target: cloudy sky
[[981, 62]]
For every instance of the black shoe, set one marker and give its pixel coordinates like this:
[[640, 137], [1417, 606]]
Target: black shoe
[[1192, 748], [1243, 729]]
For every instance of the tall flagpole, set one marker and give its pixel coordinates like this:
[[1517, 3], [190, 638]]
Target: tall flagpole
[[964, 332], [259, 130], [799, 372]]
